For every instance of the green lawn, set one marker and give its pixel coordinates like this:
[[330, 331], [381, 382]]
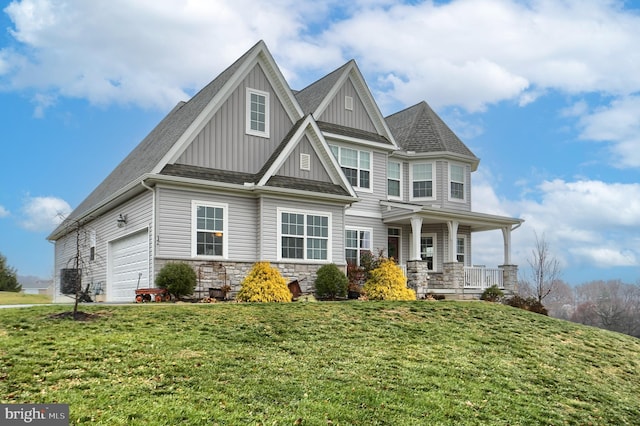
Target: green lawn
[[13, 298], [366, 363]]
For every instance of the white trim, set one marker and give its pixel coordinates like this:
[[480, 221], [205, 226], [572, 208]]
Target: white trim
[[464, 183], [358, 169], [194, 229], [306, 213], [433, 181], [400, 180], [363, 213], [267, 108], [108, 288]]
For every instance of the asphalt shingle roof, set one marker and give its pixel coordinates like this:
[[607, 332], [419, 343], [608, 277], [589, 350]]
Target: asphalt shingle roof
[[311, 96], [420, 129]]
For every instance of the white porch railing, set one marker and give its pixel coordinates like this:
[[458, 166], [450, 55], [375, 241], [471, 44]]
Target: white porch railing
[[481, 277]]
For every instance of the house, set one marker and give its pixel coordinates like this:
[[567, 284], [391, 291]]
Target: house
[[250, 170]]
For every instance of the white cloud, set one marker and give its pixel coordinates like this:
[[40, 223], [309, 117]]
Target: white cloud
[[43, 213], [466, 53], [587, 223], [4, 212], [618, 124]]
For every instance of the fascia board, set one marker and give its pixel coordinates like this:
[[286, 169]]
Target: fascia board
[[364, 142]]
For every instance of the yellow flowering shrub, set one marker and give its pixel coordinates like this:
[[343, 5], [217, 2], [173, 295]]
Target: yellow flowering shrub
[[264, 283], [387, 282]]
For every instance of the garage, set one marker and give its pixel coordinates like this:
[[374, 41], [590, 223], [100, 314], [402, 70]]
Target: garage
[[128, 266]]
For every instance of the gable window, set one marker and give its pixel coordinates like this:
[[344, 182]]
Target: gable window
[[304, 236], [422, 180], [460, 249], [394, 173], [257, 113], [357, 243], [456, 182], [355, 164], [428, 250], [209, 229]]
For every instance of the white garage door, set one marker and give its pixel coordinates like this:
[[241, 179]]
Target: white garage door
[[129, 267]]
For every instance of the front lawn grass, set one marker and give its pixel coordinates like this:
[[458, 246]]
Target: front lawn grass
[[366, 363], [13, 298]]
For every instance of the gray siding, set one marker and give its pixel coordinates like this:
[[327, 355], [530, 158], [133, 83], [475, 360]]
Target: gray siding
[[224, 144], [175, 226], [378, 229], [444, 185], [336, 113], [139, 216], [291, 166]]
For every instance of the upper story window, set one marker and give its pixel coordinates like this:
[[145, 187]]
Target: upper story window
[[422, 181], [209, 229], [257, 113], [303, 235], [394, 181], [355, 164], [456, 182]]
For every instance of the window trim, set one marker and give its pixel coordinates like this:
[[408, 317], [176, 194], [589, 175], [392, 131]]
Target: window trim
[[305, 237], [433, 181], [435, 248], [464, 183], [358, 229], [394, 197], [337, 149], [194, 229], [248, 129]]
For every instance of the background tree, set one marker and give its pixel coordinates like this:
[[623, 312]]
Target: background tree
[[8, 277], [545, 270]]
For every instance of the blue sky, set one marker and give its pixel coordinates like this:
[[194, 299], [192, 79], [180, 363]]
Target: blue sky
[[546, 93]]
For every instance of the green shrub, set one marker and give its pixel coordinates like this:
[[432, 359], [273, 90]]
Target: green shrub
[[178, 278], [387, 282], [492, 294], [331, 282], [264, 284], [529, 304]]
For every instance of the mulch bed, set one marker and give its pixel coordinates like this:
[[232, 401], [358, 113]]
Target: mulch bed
[[80, 316]]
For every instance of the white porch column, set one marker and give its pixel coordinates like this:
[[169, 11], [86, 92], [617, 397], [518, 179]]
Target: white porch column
[[416, 232], [506, 236], [453, 240]]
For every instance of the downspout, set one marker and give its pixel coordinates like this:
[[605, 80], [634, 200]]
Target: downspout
[[152, 263]]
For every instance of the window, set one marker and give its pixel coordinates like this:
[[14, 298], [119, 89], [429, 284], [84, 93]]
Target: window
[[92, 245], [257, 113], [355, 164], [209, 229], [460, 249], [422, 180], [456, 178], [393, 179], [357, 242], [428, 250], [304, 236]]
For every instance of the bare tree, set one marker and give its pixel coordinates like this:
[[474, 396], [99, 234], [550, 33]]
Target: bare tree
[[545, 269]]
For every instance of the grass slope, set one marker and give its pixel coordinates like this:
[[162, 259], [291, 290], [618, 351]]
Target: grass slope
[[367, 363]]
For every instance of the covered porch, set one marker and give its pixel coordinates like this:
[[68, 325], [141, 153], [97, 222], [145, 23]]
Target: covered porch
[[440, 257]]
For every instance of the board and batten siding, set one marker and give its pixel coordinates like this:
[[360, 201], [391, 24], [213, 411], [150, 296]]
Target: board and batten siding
[[292, 167], [336, 112], [105, 228], [223, 142], [175, 231], [269, 220]]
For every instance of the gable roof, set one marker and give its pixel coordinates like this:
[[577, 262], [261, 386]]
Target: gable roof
[[421, 130], [316, 97]]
